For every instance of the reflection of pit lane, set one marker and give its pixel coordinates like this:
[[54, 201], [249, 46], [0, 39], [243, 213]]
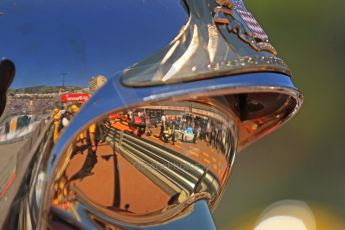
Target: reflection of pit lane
[[145, 170], [177, 168], [186, 148]]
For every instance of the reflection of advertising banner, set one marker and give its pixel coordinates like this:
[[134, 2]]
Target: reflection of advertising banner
[[74, 97]]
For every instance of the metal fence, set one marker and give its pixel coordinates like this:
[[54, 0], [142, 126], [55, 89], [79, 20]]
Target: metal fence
[[170, 170]]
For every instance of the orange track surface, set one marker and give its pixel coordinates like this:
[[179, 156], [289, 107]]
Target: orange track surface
[[136, 190]]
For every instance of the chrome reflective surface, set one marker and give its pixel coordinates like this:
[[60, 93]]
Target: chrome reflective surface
[[144, 164], [65, 51], [160, 158], [57, 48], [220, 38]]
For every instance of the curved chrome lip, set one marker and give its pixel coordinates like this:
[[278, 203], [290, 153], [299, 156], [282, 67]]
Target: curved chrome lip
[[114, 96], [198, 217]]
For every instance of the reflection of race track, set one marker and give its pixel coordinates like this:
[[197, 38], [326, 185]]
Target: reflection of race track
[[8, 182], [16, 164]]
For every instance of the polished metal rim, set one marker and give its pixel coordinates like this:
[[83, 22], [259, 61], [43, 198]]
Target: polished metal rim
[[221, 86]]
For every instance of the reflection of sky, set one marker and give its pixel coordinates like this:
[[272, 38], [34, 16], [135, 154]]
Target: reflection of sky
[[83, 38]]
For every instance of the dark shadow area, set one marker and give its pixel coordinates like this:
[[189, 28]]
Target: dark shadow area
[[86, 169], [7, 72]]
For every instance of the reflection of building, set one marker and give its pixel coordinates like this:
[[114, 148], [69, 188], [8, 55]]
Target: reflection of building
[[96, 82]]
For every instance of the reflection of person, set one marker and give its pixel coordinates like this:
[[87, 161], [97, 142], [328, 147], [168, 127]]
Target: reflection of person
[[89, 143], [163, 125], [26, 120], [130, 119], [172, 133], [91, 139], [104, 129], [81, 137], [91, 158], [74, 110], [56, 119], [65, 120], [139, 125]]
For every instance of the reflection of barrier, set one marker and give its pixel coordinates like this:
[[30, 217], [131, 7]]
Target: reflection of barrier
[[34, 151], [170, 170], [16, 128]]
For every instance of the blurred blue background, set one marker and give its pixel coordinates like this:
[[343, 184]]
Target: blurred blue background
[[305, 159]]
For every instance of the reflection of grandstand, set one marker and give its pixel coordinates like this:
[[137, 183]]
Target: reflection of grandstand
[[192, 122], [29, 105]]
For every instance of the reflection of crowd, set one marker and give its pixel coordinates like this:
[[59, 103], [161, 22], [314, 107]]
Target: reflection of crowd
[[218, 137], [62, 117], [29, 105], [189, 128], [86, 140], [193, 128], [21, 112]]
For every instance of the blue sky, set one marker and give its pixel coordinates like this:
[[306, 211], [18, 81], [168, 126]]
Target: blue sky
[[83, 38]]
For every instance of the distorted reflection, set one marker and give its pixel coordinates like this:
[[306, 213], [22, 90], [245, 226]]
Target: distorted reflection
[[146, 160], [27, 107], [23, 113]]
